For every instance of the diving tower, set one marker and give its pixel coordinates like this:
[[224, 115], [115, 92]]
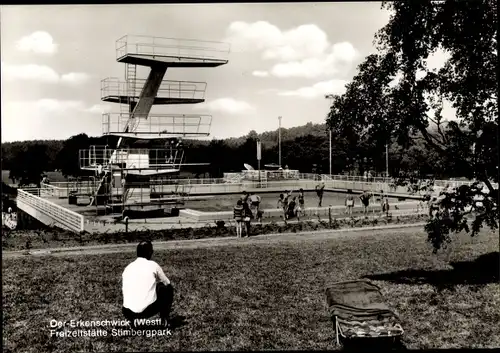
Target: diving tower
[[130, 168]]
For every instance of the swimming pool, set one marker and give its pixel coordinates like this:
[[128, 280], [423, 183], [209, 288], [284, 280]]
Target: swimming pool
[[270, 200]]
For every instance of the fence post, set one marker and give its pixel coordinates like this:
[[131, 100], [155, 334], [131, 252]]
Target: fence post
[[330, 216], [126, 224]]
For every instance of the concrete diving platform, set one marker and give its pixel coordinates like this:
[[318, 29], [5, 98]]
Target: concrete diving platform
[[169, 92], [151, 51], [154, 126]]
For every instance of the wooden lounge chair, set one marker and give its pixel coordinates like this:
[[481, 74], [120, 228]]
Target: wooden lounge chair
[[358, 310]]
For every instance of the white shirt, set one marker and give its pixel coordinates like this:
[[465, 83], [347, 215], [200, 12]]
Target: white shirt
[[255, 198], [139, 284]]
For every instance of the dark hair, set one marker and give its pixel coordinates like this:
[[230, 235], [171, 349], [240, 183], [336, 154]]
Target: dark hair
[[281, 196], [145, 249], [301, 190], [239, 202]]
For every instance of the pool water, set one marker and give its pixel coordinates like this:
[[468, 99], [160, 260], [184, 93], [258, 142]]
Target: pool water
[[270, 200]]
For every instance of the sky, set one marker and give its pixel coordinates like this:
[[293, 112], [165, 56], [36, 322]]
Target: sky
[[284, 58]]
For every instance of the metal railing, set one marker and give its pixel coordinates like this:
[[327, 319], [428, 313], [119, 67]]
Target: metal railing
[[253, 175], [67, 218], [307, 181], [112, 87], [171, 47], [52, 190], [133, 158], [201, 181], [186, 125], [279, 186]]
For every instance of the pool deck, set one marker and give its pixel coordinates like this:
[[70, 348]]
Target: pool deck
[[52, 208], [191, 218]]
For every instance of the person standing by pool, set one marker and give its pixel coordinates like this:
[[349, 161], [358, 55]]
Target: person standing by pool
[[301, 209], [385, 205], [244, 197], [238, 217], [247, 218], [286, 197], [280, 201], [255, 202], [349, 204], [292, 208], [365, 200], [320, 188]]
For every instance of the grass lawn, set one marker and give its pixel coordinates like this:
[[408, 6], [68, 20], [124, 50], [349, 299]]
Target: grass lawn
[[53, 237], [264, 296]]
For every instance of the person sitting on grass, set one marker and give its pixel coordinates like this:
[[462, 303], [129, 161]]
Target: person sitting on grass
[[238, 217], [146, 290]]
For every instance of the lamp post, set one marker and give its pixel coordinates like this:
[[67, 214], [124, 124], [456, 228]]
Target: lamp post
[[259, 156], [279, 141], [330, 96], [387, 160]]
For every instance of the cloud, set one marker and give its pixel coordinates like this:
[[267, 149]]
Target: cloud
[[325, 64], [227, 105], [297, 43], [303, 51], [47, 118], [29, 72], [98, 109], [39, 42], [259, 73], [255, 36], [75, 78], [41, 73], [318, 90], [57, 106], [268, 90]]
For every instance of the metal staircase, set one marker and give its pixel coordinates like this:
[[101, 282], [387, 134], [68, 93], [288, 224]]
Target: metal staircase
[[130, 78]]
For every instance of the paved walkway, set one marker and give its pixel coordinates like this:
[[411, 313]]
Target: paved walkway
[[221, 241]]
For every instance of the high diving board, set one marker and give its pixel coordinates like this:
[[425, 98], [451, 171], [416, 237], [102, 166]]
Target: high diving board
[[151, 51], [170, 92], [156, 126]]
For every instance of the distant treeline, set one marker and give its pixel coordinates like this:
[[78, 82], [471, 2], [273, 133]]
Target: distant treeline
[[304, 148]]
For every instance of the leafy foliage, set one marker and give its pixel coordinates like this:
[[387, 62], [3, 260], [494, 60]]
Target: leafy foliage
[[395, 98]]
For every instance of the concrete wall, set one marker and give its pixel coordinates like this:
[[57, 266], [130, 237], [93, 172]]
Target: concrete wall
[[199, 216], [270, 186], [30, 218]]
